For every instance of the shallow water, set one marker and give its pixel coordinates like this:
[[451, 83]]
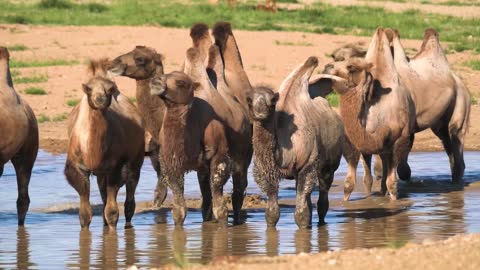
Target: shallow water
[[430, 208]]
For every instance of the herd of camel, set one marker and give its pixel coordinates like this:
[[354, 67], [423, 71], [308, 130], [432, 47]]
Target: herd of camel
[[208, 118]]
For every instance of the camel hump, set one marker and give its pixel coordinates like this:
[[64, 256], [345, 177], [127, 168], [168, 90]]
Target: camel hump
[[429, 32], [4, 54], [198, 31], [391, 34], [193, 55], [99, 67], [312, 61], [221, 31]]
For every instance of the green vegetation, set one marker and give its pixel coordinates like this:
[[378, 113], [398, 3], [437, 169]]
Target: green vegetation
[[35, 78], [42, 63], [333, 99], [73, 102], [473, 100], [17, 47], [43, 118], [290, 43], [458, 3], [318, 18], [132, 99], [60, 117], [473, 64], [35, 91]]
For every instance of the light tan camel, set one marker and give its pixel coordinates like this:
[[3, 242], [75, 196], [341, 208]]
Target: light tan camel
[[228, 109], [106, 139], [377, 109], [191, 139], [142, 64], [19, 135], [296, 137]]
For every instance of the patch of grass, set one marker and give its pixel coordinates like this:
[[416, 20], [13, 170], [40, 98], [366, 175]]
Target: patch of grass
[[73, 102], [60, 117], [290, 43], [425, 2], [318, 17], [31, 79], [17, 47], [333, 99], [473, 64], [43, 118], [59, 4], [132, 99], [458, 3], [473, 100], [288, 1], [42, 63], [35, 91]]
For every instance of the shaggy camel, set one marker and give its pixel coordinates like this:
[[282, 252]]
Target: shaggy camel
[[296, 137], [106, 139], [377, 109], [227, 109], [19, 136], [142, 64], [235, 75], [191, 139], [442, 101]]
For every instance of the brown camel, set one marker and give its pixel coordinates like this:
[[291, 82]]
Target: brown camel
[[235, 75], [106, 139], [377, 109], [348, 51], [19, 135], [227, 109], [191, 139], [142, 64], [296, 137], [442, 101]]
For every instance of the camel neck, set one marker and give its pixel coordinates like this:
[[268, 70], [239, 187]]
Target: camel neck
[[263, 136], [5, 76]]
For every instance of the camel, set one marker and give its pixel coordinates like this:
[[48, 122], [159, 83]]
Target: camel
[[19, 136], [227, 108], [235, 75], [295, 137], [106, 139], [377, 109], [191, 139], [442, 101], [142, 64], [348, 51]]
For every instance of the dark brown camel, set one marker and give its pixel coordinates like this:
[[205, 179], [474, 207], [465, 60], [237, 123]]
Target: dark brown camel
[[19, 135], [142, 64], [106, 139]]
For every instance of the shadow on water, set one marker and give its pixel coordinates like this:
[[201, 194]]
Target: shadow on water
[[431, 208]]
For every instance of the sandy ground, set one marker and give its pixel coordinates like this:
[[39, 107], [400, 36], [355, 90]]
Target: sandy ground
[[458, 252], [268, 58]]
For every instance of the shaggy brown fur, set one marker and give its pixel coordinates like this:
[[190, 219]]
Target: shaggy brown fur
[[235, 75], [19, 135], [191, 139], [307, 143], [106, 139], [428, 75], [377, 109], [142, 64], [227, 108]]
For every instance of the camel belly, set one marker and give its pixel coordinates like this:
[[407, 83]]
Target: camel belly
[[14, 130]]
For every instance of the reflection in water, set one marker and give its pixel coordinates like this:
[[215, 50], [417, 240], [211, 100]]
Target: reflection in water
[[430, 207]]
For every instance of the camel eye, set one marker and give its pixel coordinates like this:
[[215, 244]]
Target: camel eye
[[140, 61], [180, 84]]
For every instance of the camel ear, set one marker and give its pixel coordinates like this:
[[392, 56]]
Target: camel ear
[[158, 59], [319, 86], [275, 98], [86, 89]]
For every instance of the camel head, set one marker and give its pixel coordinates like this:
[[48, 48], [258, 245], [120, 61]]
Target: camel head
[[348, 51], [99, 88], [353, 70], [141, 63], [261, 103], [175, 88]]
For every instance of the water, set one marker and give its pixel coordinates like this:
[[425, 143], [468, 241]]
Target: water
[[429, 208]]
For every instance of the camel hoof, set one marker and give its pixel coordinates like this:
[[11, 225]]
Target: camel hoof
[[346, 197], [393, 197], [128, 225]]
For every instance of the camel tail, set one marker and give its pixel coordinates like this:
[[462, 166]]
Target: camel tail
[[460, 121]]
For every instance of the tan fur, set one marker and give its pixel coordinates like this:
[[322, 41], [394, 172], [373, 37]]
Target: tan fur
[[348, 51], [19, 135], [106, 139]]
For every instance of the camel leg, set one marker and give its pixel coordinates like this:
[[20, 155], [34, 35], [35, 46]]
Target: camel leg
[[219, 174], [454, 148], [367, 177], [352, 155], [403, 169], [324, 184], [80, 181], [303, 209], [161, 189], [391, 178], [378, 167], [179, 207], [23, 164], [240, 183], [204, 182], [111, 212], [131, 186], [102, 187], [272, 212], [1, 170], [385, 158]]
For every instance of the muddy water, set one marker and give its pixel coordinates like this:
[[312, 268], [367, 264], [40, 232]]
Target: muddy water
[[430, 208]]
